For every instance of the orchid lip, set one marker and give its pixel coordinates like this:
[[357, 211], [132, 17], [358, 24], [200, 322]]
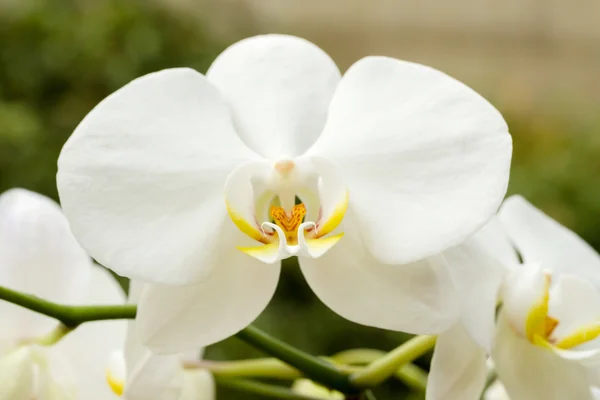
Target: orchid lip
[[541, 326], [287, 206]]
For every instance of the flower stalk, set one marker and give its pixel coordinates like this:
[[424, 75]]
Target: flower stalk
[[384, 367], [69, 316], [412, 375], [53, 337], [72, 316], [270, 368], [314, 368], [260, 388]]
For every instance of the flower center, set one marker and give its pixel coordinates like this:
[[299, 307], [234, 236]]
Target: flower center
[[261, 196], [289, 222], [540, 326]]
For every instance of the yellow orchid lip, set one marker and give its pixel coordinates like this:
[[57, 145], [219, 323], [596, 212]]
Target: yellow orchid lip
[[538, 323], [298, 237], [287, 206], [579, 336], [540, 326]]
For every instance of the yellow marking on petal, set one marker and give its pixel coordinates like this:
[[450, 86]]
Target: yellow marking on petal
[[335, 218], [246, 226], [542, 342], [538, 314], [579, 336], [117, 385], [324, 242], [263, 253], [320, 246], [289, 222]]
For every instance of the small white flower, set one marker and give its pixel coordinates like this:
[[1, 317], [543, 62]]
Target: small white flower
[[138, 374], [39, 256], [546, 340], [392, 163]]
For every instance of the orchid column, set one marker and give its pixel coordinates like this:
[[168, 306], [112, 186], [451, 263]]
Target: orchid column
[[202, 184]]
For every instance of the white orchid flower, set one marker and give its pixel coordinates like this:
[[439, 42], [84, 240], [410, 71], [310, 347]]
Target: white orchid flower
[[544, 343], [136, 373], [497, 391], [184, 179], [39, 256]]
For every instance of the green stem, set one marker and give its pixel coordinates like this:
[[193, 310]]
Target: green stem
[[270, 368], [263, 389], [347, 361], [313, 367], [368, 395], [70, 316], [412, 376], [384, 367], [53, 337]]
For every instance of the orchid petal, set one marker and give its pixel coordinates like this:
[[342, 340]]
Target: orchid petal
[[17, 377], [496, 391], [316, 248], [198, 385], [477, 269], [532, 372], [575, 303], [239, 197], [141, 178], [116, 372], [414, 298], [177, 318], [333, 195], [148, 375], [525, 298], [155, 376], [426, 159], [458, 369], [56, 379], [541, 239], [39, 256], [494, 240], [279, 88], [88, 347]]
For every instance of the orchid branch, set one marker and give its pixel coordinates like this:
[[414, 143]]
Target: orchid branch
[[69, 316], [348, 361], [312, 367], [263, 389], [412, 375], [72, 316], [381, 365], [384, 367]]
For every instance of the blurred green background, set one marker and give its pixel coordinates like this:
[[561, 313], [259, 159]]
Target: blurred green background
[[60, 58]]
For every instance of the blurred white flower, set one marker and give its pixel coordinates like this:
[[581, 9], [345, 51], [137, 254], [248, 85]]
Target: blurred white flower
[[171, 173], [39, 256], [138, 374], [545, 342]]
